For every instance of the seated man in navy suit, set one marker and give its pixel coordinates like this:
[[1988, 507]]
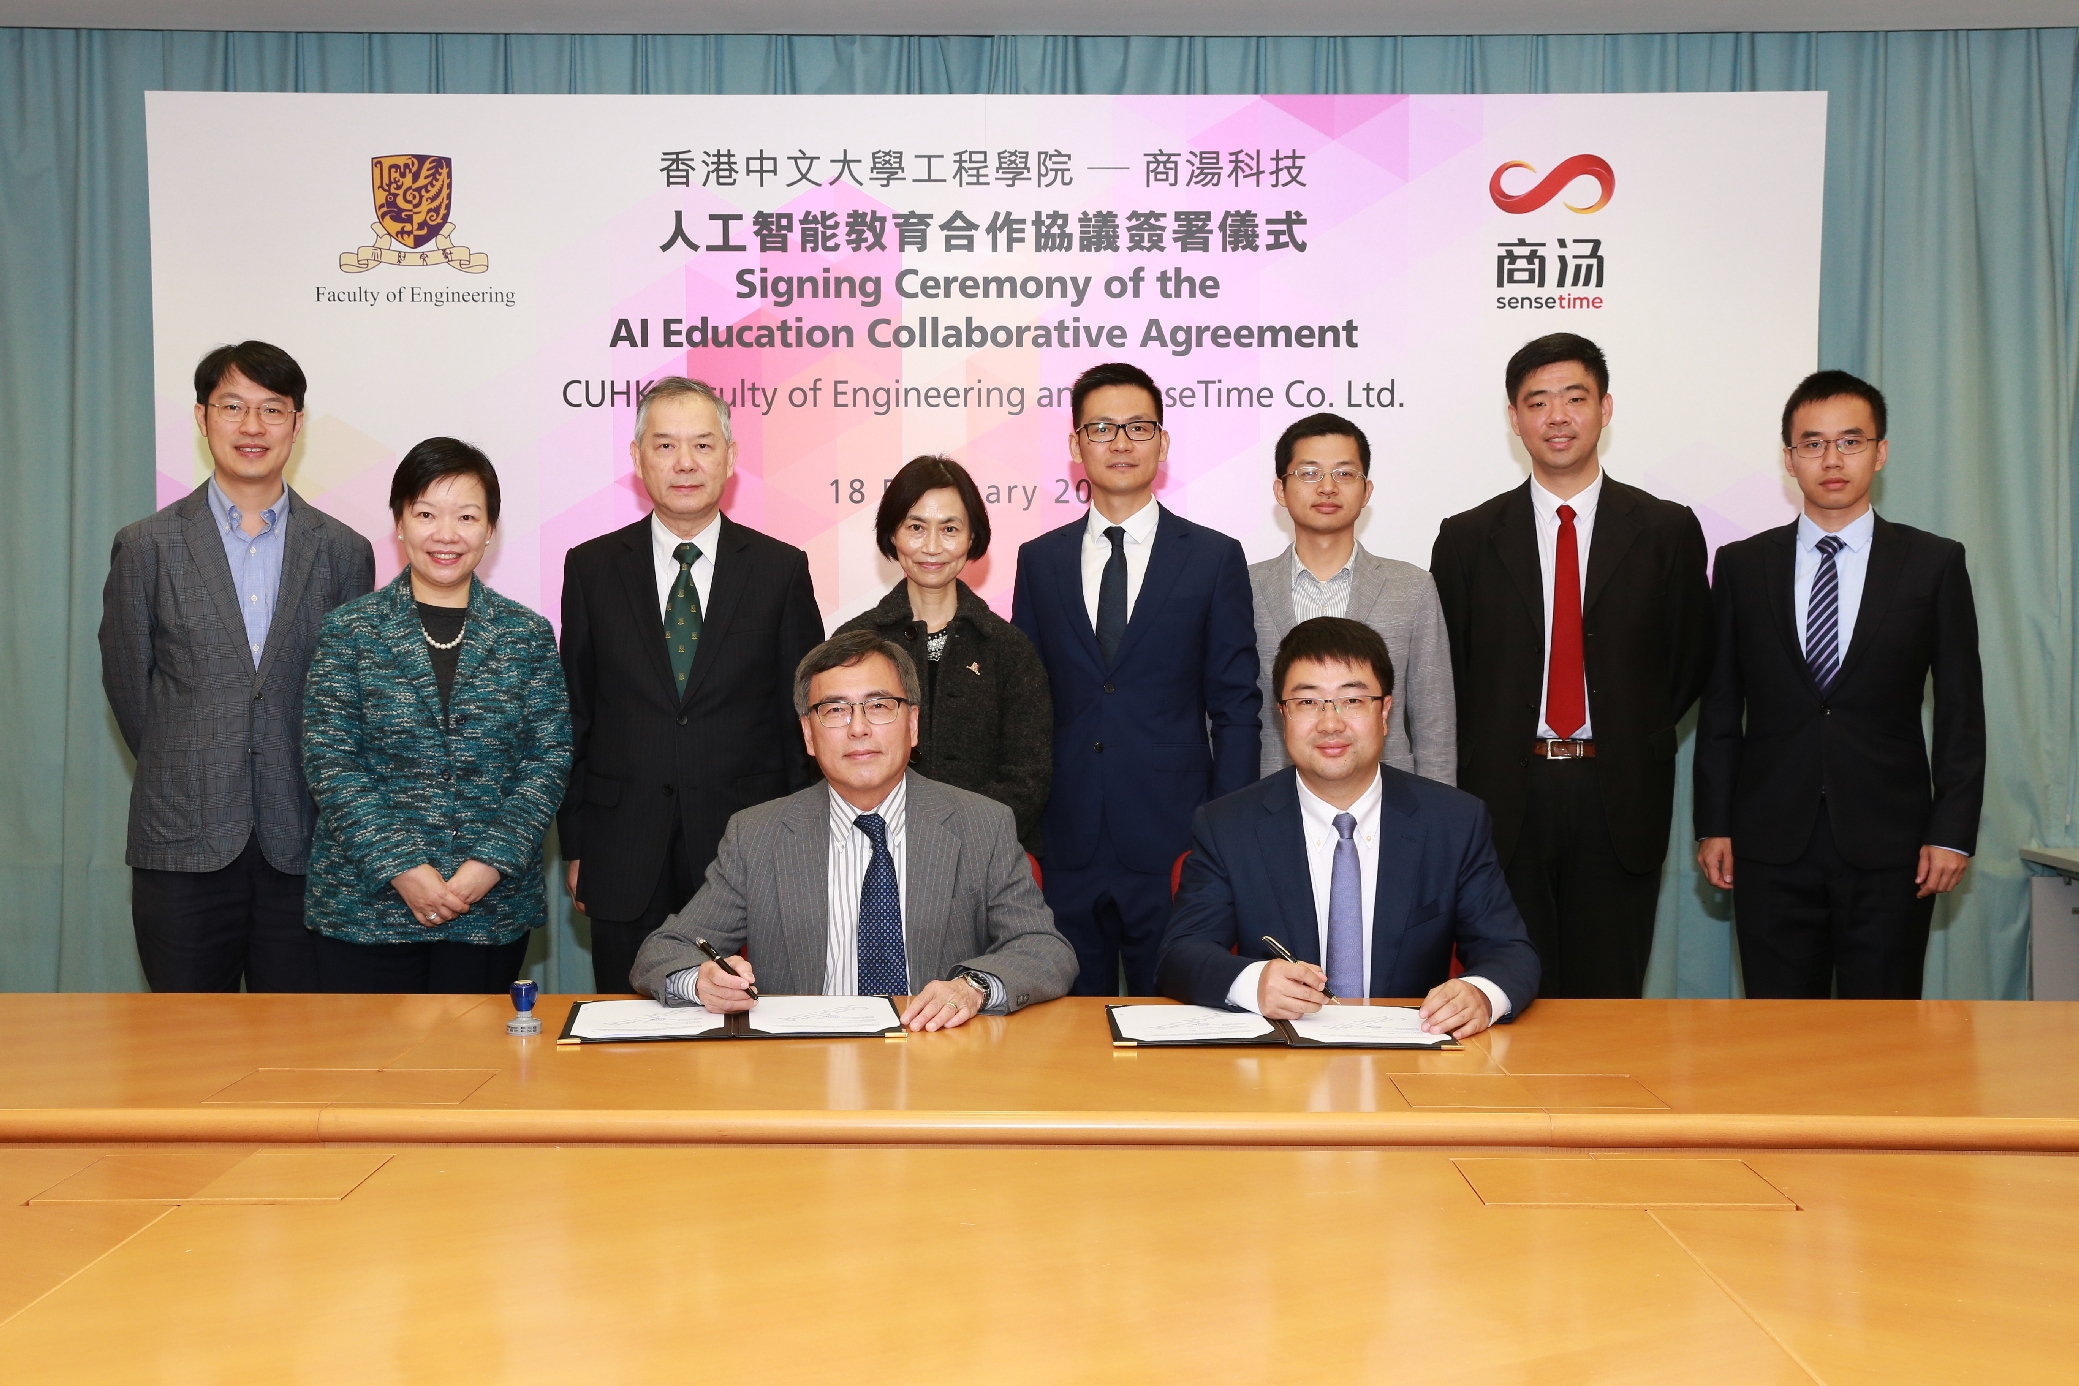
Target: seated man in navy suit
[[1341, 858]]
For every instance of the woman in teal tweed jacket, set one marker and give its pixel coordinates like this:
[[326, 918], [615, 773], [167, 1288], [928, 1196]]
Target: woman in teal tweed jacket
[[462, 780]]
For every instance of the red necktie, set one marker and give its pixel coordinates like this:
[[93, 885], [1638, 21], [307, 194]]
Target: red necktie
[[1566, 695]]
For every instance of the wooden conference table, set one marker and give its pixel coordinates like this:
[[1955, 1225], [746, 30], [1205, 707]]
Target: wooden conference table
[[1943, 1075], [1020, 1201]]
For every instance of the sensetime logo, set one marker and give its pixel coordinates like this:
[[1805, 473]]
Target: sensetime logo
[[1552, 184], [1559, 263]]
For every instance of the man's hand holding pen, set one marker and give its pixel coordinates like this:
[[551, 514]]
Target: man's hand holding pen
[[1289, 990], [724, 990]]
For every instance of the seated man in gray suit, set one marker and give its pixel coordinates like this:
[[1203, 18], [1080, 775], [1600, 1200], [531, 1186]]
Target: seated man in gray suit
[[1324, 468], [870, 882]]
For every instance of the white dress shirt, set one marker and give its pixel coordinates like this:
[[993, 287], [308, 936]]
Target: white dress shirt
[[663, 541], [1311, 597], [1317, 818], [1851, 566], [1097, 551], [1544, 507]]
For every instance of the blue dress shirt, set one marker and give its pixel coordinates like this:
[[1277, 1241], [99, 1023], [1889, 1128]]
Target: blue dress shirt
[[1851, 565], [256, 561]]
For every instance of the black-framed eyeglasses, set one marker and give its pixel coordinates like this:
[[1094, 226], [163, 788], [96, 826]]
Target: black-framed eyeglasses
[[834, 713], [1312, 709], [234, 411], [1104, 430], [1815, 448]]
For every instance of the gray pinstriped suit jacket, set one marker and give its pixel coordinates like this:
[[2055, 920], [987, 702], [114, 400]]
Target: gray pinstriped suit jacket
[[210, 732], [968, 899], [1399, 601]]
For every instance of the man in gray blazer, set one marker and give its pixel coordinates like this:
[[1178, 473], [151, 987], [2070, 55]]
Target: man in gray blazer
[[875, 882], [208, 619], [1324, 465]]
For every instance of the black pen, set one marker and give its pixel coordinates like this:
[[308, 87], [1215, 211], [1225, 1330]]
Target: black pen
[[708, 948], [1279, 949]]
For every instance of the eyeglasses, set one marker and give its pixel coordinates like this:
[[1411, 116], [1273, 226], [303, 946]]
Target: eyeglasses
[[273, 415], [837, 713], [1815, 448], [1104, 430], [1313, 709], [1311, 476]]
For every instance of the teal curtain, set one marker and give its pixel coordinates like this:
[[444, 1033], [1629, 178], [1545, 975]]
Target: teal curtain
[[1952, 193]]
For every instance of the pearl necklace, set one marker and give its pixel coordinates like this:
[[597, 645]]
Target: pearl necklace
[[452, 643]]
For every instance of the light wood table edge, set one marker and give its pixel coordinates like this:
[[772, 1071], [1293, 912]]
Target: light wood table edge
[[504, 1126]]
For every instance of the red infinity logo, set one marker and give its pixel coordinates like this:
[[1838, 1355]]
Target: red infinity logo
[[1589, 165]]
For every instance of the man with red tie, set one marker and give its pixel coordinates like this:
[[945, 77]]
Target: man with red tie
[[1580, 622]]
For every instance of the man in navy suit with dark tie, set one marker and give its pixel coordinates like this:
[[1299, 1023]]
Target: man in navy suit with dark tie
[[1367, 875], [1144, 623]]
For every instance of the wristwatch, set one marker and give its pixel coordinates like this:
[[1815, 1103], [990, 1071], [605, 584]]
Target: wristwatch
[[979, 983]]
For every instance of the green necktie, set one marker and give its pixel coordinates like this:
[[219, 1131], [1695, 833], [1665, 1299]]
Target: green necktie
[[682, 617]]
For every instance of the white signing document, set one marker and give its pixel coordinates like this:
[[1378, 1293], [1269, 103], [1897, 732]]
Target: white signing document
[[1366, 1025], [632, 1020], [822, 1015], [1187, 1024]]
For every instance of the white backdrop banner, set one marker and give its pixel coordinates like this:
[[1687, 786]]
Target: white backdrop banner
[[869, 278]]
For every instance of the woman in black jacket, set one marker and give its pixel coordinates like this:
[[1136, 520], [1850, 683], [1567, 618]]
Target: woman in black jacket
[[987, 723]]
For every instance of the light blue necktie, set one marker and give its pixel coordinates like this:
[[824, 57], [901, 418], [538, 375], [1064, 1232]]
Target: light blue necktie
[[1346, 915], [1823, 616], [883, 969]]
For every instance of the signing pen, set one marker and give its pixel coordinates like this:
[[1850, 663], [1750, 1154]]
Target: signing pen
[[1279, 949], [708, 948]]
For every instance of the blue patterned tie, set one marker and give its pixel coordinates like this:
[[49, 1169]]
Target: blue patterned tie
[[1823, 616], [883, 969], [1346, 915]]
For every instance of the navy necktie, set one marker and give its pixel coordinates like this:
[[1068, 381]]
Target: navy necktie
[[883, 968], [1823, 616], [1346, 914], [1111, 597]]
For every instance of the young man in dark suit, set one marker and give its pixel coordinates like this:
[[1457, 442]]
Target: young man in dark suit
[[1366, 875], [1580, 621], [1816, 802], [1144, 624], [680, 637], [208, 621]]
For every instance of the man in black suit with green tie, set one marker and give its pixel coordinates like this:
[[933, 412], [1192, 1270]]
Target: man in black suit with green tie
[[680, 637]]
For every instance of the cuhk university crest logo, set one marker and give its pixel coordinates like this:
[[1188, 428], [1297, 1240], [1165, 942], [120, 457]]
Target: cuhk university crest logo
[[413, 193]]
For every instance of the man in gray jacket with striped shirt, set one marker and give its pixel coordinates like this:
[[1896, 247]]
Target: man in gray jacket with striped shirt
[[874, 882], [1324, 465], [208, 620]]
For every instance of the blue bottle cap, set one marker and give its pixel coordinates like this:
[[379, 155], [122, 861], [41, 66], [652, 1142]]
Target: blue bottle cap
[[524, 992]]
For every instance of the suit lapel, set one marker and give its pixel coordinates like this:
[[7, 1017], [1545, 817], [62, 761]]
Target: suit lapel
[[1779, 580], [1067, 558], [299, 556], [1516, 542], [804, 870], [1393, 894], [1367, 585], [1171, 551], [1616, 529], [638, 572], [1879, 585], [932, 850], [724, 596], [206, 551], [407, 641], [1282, 834]]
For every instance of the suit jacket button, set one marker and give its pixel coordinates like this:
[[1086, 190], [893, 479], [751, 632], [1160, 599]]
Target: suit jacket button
[[1107, 688], [667, 791], [256, 696], [682, 721], [1523, 764], [1097, 746]]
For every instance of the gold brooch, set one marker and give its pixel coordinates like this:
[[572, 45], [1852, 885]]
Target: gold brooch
[[975, 668]]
